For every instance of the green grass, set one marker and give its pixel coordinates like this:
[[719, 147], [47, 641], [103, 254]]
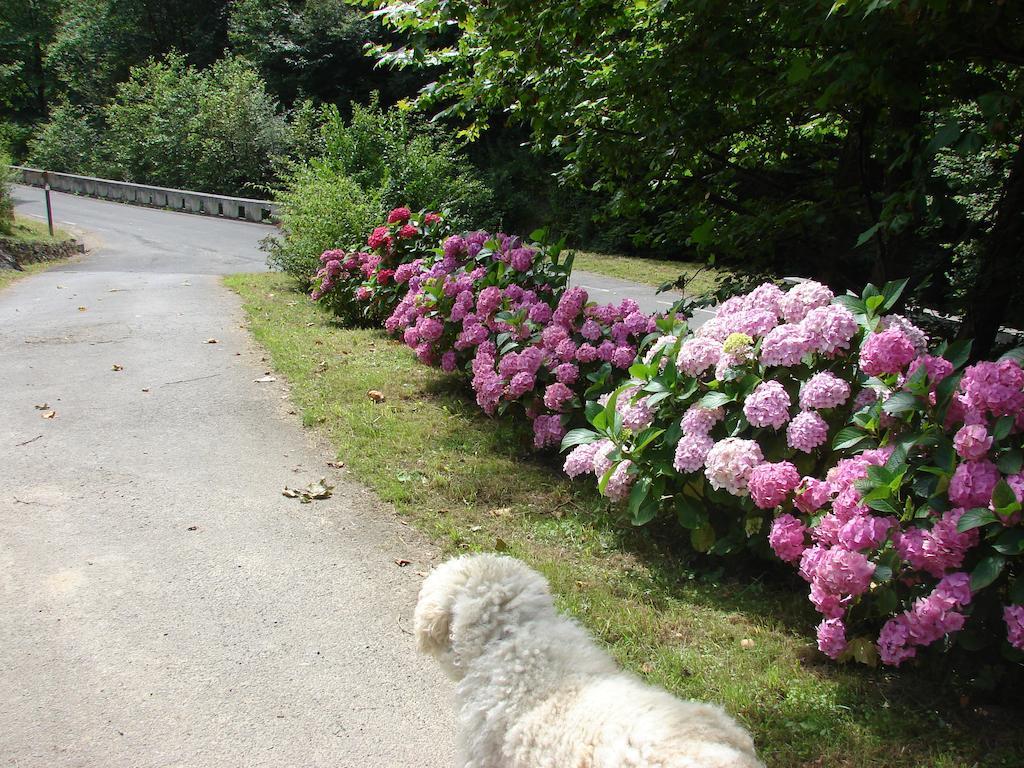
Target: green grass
[[472, 483], [29, 231], [654, 272]]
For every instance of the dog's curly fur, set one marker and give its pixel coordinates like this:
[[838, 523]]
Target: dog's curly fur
[[533, 689]]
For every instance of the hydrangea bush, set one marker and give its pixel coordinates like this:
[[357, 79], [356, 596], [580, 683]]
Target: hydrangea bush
[[361, 285], [890, 478], [797, 425]]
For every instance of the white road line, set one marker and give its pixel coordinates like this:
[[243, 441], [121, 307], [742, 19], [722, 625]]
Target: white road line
[[593, 288]]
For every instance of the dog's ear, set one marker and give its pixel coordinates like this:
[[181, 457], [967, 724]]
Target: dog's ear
[[430, 624], [433, 615]]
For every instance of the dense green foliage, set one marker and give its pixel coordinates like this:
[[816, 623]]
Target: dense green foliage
[[772, 134], [171, 124], [376, 160]]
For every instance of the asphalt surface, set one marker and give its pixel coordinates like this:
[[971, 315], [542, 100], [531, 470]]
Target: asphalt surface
[[161, 602]]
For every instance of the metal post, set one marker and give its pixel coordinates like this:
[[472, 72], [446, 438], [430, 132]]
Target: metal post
[[49, 208]]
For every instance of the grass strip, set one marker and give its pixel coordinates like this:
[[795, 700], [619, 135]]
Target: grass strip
[[472, 483], [647, 271]]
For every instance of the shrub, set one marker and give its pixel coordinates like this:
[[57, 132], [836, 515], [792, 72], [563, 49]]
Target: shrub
[[69, 142], [386, 158], [320, 210], [365, 286], [872, 460], [215, 130]]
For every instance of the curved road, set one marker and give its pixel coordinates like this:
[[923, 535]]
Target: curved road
[[162, 603]]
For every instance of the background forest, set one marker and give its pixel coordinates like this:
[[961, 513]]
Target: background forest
[[830, 140]]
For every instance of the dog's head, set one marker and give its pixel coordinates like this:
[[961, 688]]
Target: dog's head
[[469, 600]]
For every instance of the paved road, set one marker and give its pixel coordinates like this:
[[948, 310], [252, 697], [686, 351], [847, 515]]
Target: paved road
[[161, 603]]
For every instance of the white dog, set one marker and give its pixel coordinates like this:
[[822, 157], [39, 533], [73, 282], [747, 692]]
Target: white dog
[[534, 691]]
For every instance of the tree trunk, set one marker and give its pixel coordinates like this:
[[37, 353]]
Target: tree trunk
[[1002, 265]]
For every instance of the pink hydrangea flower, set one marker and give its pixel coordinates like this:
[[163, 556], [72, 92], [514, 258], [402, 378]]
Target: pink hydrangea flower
[[408, 231], [916, 336], [893, 646], [937, 368], [691, 452], [1013, 615], [787, 538], [972, 483], [994, 388], [696, 355], [972, 442], [567, 373], [771, 483], [619, 482], [557, 395], [887, 352], [842, 572], [811, 495], [786, 345], [832, 637], [766, 296], [448, 361], [547, 430], [802, 298], [824, 390], [831, 328], [768, 405], [699, 421], [399, 215], [862, 532], [729, 463], [379, 238], [940, 549], [580, 460], [807, 431], [521, 259]]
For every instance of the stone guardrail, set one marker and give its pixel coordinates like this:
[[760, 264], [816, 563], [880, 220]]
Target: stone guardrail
[[183, 200]]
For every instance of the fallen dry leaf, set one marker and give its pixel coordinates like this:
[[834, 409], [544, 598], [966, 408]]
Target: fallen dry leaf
[[746, 643], [500, 512], [264, 379], [335, 464], [402, 562], [475, 528], [81, 309], [116, 367], [145, 389], [49, 414], [321, 367], [211, 341], [376, 395], [192, 528], [317, 490], [42, 406]]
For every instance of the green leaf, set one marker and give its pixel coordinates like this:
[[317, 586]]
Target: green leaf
[[884, 505], [1004, 499], [866, 235], [1016, 354], [892, 292], [1011, 462], [579, 436], [902, 402], [640, 370], [715, 400], [638, 494], [1010, 542], [1002, 427], [690, 515], [943, 137], [852, 303], [703, 538], [958, 352], [644, 438], [874, 302], [987, 571], [847, 437], [703, 234], [975, 518]]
